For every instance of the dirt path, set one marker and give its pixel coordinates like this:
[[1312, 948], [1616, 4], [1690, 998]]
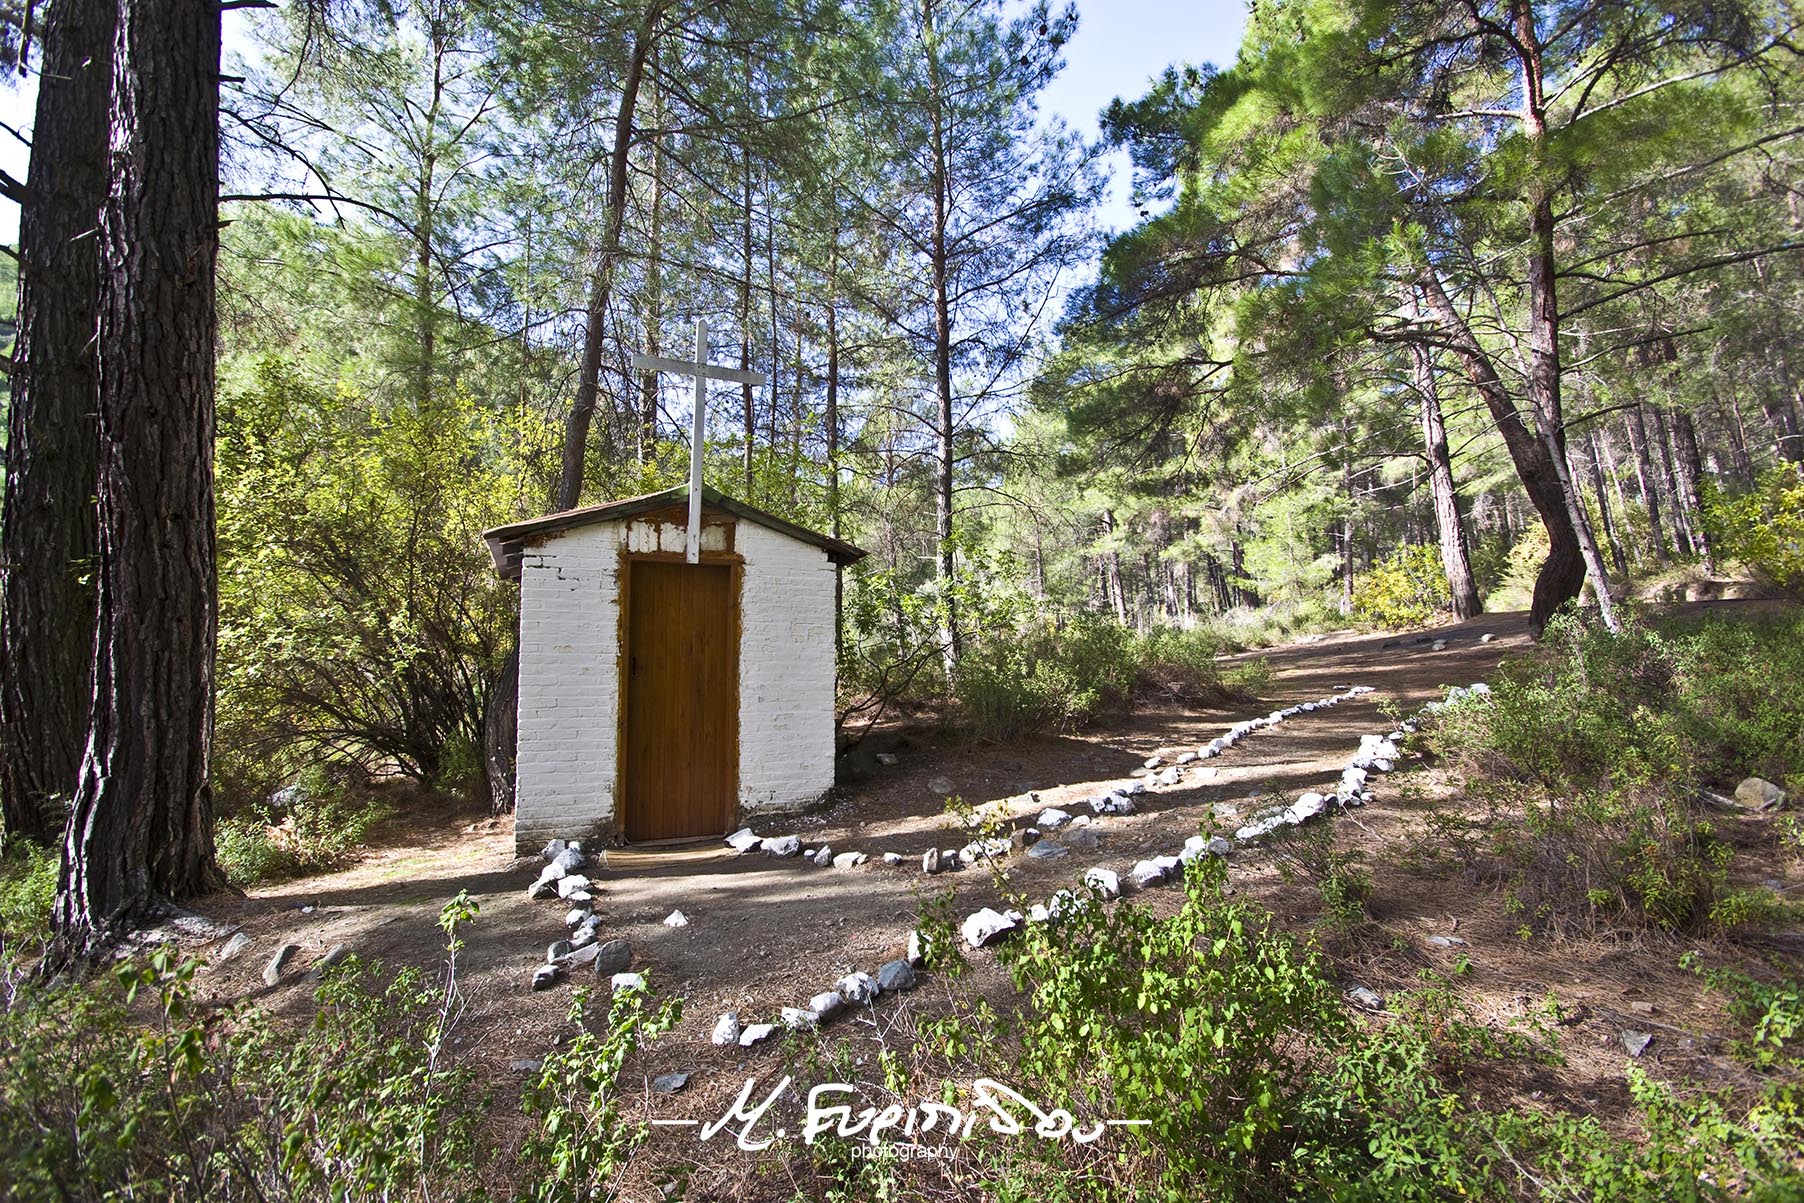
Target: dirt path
[[764, 933]]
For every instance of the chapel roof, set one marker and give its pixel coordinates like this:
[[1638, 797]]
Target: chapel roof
[[508, 543]]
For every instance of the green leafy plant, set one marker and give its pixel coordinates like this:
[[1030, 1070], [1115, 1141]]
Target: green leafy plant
[[578, 1142], [1408, 588], [1764, 528]]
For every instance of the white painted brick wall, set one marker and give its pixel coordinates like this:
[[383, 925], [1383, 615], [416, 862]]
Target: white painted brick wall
[[569, 687], [785, 671]]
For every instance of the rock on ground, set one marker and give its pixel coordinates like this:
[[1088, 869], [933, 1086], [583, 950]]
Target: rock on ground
[[1757, 793], [726, 1028], [272, 972], [985, 927], [896, 975], [612, 957], [856, 988]]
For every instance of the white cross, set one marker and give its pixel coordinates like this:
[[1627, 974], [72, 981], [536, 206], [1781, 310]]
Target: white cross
[[703, 371]]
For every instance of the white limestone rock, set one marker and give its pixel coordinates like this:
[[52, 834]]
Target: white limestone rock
[[827, 1004], [983, 928], [781, 845], [627, 981], [1170, 776], [856, 989], [1103, 881], [799, 1019], [849, 860], [676, 919], [1145, 873], [756, 1033], [743, 841], [727, 1029], [1052, 818]]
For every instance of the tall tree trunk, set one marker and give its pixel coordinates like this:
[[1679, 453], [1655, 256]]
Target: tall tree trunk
[[1594, 460], [1456, 559], [47, 535], [142, 823], [1346, 522], [1544, 372], [1648, 483], [942, 351], [1562, 574], [1113, 593], [601, 281], [1787, 446], [1613, 474], [745, 303], [652, 295], [1730, 409], [1690, 466], [1669, 479], [832, 424]]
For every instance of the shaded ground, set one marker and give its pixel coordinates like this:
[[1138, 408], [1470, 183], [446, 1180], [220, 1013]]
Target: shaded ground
[[766, 933]]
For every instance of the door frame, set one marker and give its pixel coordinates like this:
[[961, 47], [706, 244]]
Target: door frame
[[734, 563]]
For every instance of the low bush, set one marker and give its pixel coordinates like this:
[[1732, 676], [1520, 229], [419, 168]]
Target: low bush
[[1408, 588], [27, 891], [1592, 751], [1763, 529], [123, 1087], [1230, 1038], [316, 834]]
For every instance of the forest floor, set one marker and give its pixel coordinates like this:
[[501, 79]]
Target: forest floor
[[765, 933]]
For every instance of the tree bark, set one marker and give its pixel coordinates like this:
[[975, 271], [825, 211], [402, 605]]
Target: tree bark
[[1787, 446], [1544, 371], [1648, 483], [47, 543], [1346, 522], [942, 354], [1562, 574], [142, 824], [1686, 540], [1456, 559], [1112, 591], [1690, 467], [601, 282], [747, 402], [1594, 461]]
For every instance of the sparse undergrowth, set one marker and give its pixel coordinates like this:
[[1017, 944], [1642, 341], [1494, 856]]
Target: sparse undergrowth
[[1231, 1037], [126, 1087], [1591, 758]]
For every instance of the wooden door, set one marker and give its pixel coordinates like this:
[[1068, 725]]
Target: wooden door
[[679, 769]]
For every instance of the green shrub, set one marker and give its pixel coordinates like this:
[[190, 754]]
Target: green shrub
[[1259, 1083], [1592, 750], [1763, 529], [1178, 662], [1040, 676], [317, 835], [123, 1088], [578, 1143], [1408, 588], [27, 892], [1771, 1012]]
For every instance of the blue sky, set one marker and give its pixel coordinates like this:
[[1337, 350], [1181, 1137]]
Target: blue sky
[[1120, 45]]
